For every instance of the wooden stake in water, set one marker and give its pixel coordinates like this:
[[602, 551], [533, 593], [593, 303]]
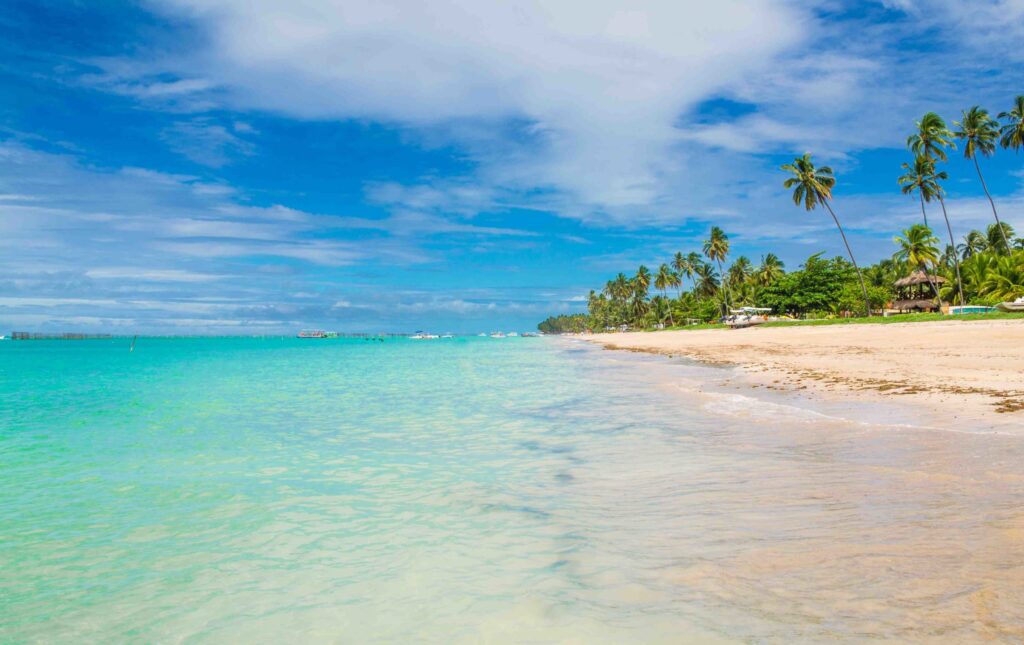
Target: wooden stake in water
[[132, 348]]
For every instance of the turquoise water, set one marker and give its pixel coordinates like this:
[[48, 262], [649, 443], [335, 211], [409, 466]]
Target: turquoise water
[[476, 490]]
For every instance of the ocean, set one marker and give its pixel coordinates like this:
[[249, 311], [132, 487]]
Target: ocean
[[526, 490]]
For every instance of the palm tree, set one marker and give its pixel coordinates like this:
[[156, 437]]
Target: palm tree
[[1013, 132], [813, 186], [716, 248], [663, 281], [917, 248], [931, 139], [771, 269], [740, 271], [979, 132], [706, 282], [974, 242], [929, 188], [921, 178], [996, 236], [642, 281], [684, 265]]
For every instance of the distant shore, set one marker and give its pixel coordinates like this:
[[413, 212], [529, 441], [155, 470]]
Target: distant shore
[[962, 372]]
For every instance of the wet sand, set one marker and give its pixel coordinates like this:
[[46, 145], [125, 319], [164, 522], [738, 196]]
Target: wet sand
[[953, 372]]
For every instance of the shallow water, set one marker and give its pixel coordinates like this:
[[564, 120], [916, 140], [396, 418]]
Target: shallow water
[[516, 490]]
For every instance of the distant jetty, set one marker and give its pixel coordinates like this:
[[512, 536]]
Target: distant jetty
[[24, 335]]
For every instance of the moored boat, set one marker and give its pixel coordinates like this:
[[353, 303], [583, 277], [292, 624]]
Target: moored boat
[[1015, 306]]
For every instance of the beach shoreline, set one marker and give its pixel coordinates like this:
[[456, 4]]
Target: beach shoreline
[[942, 373]]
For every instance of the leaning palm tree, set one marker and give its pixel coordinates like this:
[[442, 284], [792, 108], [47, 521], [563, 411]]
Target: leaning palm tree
[[716, 248], [923, 178], [1013, 131], [920, 177], [662, 281], [931, 139], [812, 186], [917, 247], [979, 132]]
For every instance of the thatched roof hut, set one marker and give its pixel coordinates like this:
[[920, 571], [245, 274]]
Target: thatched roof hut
[[915, 292], [919, 277]]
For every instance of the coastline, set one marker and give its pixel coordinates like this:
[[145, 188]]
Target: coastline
[[943, 373]]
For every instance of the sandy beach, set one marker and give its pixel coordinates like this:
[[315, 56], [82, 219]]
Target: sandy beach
[[966, 371]]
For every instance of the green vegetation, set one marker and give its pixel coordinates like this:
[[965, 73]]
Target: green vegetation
[[985, 268]]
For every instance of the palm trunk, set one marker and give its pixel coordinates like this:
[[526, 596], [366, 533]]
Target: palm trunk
[[956, 259], [664, 294], [923, 213], [725, 286], [863, 289], [984, 187]]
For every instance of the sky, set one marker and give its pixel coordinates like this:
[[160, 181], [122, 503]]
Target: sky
[[253, 166]]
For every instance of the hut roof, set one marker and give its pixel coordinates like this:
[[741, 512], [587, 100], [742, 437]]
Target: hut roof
[[919, 277]]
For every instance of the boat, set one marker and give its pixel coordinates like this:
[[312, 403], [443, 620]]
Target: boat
[[497, 334], [1015, 306], [747, 317], [312, 333], [449, 335], [482, 335], [512, 334], [422, 335], [530, 334]]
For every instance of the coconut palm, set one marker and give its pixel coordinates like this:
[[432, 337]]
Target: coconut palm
[[917, 248], [812, 186], [642, 281], [1005, 279], [920, 178], [706, 281], [931, 139], [771, 269], [929, 188], [740, 271], [1013, 131], [685, 265], [979, 132], [662, 281], [716, 248], [997, 235], [974, 242]]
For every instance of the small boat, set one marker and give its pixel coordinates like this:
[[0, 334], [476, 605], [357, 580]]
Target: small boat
[[312, 333], [497, 334], [513, 334], [420, 335], [482, 335], [530, 334], [448, 335], [1015, 306], [747, 317]]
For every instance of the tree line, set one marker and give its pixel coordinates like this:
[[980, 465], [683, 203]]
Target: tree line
[[985, 267]]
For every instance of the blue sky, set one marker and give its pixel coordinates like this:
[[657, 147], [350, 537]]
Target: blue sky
[[230, 166]]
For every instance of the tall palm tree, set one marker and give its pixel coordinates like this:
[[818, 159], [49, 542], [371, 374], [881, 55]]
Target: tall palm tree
[[771, 269], [716, 248], [812, 186], [917, 247], [1013, 131], [684, 266], [928, 188], [662, 281], [979, 132], [920, 177], [931, 139], [642, 281]]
